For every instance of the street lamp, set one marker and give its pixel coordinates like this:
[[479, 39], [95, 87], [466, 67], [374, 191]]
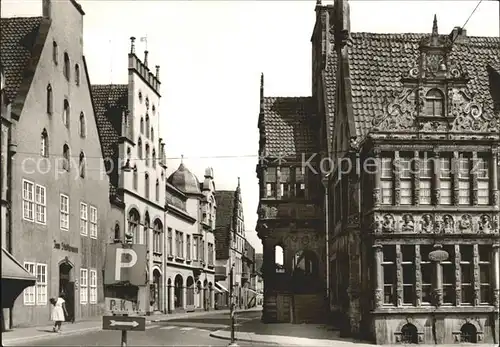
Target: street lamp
[[231, 308], [325, 180]]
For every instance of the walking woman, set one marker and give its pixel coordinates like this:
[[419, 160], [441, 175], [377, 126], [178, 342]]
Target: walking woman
[[58, 312]]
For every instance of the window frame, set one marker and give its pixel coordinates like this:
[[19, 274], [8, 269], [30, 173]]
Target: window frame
[[386, 180], [84, 295], [485, 263], [270, 179], [93, 286], [392, 265], [410, 264], [93, 222], [464, 284], [64, 214], [40, 205], [77, 74], [39, 289], [84, 220], [28, 203], [436, 100], [31, 290], [482, 170]]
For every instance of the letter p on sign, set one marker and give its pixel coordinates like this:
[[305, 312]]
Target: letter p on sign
[[119, 264]]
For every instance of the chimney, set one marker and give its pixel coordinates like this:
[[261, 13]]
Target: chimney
[[46, 8], [457, 34], [132, 45], [157, 72], [146, 58]]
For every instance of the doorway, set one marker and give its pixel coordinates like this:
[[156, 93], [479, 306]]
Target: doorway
[[67, 289]]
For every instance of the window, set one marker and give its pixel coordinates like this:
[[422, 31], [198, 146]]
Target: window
[[426, 268], [285, 183], [449, 280], [157, 236], [66, 158], [154, 158], [28, 200], [445, 185], [133, 224], [409, 334], [188, 249], [146, 185], [93, 286], [300, 187], [179, 240], [93, 222], [389, 269], [83, 286], [386, 184], [210, 254], [37, 293], [145, 231], [40, 204], [66, 113], [83, 130], [157, 190], [406, 183], [49, 101], [66, 69], [484, 273], [425, 180], [467, 273], [139, 148], [83, 219], [408, 267], [55, 52], [82, 165], [434, 105], [195, 248], [169, 242], [135, 180], [64, 212], [77, 74], [468, 333], [464, 181], [44, 146], [146, 156], [481, 170], [140, 96], [147, 126], [270, 179], [142, 125]]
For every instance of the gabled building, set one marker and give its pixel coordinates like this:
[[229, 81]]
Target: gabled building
[[128, 121], [230, 246], [409, 126], [190, 219], [58, 197]]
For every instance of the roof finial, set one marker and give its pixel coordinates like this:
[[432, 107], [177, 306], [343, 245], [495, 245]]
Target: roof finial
[[182, 159], [238, 181], [435, 26]]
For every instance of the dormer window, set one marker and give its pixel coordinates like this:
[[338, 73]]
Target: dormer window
[[152, 134], [147, 125], [66, 66], [142, 125], [140, 96], [147, 103], [434, 103], [49, 99], [77, 74], [66, 113], [54, 52]]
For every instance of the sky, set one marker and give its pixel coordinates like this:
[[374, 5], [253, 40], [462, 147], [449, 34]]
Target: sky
[[211, 55]]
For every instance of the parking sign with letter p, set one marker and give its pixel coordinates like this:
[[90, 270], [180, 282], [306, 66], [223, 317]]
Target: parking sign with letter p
[[125, 264]]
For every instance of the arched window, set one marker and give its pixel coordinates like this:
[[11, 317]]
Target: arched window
[[178, 291], [305, 263], [409, 333], [190, 291], [66, 113], [140, 96], [129, 153], [153, 158], [55, 52], [82, 125], [49, 99], [434, 103], [133, 224], [82, 165], [146, 155], [145, 230], [44, 146], [468, 333], [279, 260], [66, 156], [146, 186], [152, 135], [142, 125], [77, 74], [139, 148], [147, 125], [157, 236], [66, 70], [154, 109], [135, 180], [117, 233], [157, 190]]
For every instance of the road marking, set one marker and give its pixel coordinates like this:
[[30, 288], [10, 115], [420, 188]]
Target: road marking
[[152, 326], [186, 329], [167, 327]]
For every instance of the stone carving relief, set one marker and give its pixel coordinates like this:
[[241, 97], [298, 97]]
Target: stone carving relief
[[426, 224], [400, 114], [388, 224], [485, 224], [408, 224], [448, 224], [468, 114], [470, 320], [465, 224]]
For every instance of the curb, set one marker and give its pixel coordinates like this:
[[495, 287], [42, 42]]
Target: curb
[[17, 340], [214, 334]]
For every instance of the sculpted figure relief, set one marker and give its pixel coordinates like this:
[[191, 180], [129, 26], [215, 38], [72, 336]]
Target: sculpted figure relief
[[408, 224], [448, 224], [485, 225], [388, 223], [465, 224], [426, 223]]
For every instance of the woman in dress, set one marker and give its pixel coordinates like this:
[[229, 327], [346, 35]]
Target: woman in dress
[[58, 313]]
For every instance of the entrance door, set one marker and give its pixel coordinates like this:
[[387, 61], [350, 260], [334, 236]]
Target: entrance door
[[67, 289]]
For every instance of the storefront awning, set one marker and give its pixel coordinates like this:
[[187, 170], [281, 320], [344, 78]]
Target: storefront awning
[[15, 279], [221, 287]]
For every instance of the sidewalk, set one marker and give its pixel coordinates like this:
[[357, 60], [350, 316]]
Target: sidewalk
[[255, 331], [24, 335]]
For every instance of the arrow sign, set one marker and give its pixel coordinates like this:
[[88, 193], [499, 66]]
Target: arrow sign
[[123, 323]]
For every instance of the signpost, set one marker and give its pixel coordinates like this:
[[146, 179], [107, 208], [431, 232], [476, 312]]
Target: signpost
[[124, 272]]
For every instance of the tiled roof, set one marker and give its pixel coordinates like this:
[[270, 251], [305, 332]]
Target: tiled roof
[[17, 38], [225, 200], [378, 61], [330, 83], [109, 102], [287, 126]]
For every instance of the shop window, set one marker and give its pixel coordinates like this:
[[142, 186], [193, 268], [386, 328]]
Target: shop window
[[408, 267], [449, 280], [468, 333], [427, 271], [389, 269], [409, 333], [467, 273], [485, 273]]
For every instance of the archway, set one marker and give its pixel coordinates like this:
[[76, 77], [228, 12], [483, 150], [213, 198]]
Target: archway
[[190, 291], [279, 259], [169, 296], [409, 333], [305, 277], [156, 290], [178, 287], [67, 287], [468, 333]]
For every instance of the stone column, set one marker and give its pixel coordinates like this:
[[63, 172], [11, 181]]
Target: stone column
[[376, 182], [474, 180], [458, 279], [397, 179], [496, 275], [494, 179], [476, 280], [437, 178], [416, 178], [399, 276], [438, 287], [455, 167], [418, 276], [379, 277]]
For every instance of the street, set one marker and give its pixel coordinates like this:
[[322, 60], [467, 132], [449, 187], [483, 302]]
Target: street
[[179, 332]]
